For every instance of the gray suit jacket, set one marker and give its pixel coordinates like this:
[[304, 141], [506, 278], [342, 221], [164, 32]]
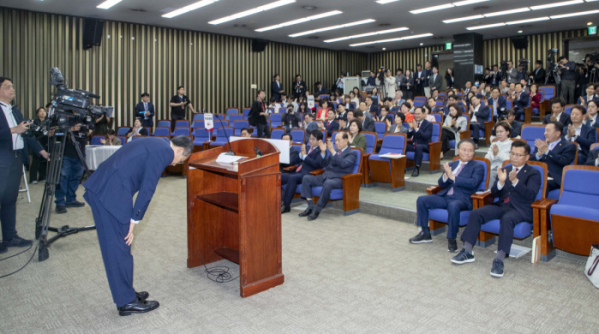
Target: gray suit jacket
[[437, 82], [402, 129], [368, 125]]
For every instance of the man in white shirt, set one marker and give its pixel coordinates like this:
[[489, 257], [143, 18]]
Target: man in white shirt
[[12, 144]]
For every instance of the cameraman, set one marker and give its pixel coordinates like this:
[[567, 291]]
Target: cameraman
[[567, 71], [72, 168], [12, 142], [291, 119]]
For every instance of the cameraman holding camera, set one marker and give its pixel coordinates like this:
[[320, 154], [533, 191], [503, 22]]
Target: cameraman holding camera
[[72, 168], [12, 142], [291, 119], [567, 71]]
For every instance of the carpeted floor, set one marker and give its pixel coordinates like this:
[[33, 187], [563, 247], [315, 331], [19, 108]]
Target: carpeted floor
[[355, 274]]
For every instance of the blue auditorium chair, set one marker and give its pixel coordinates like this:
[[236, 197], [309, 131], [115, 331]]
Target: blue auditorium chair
[[231, 111], [235, 117], [163, 124], [201, 136], [298, 135], [121, 131], [181, 132], [221, 136], [387, 170], [434, 155], [277, 133], [162, 132], [238, 125], [96, 140], [182, 124]]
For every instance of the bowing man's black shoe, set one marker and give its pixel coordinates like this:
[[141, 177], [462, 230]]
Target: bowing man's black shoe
[[285, 208], [138, 306], [75, 205], [313, 215], [307, 212], [142, 295], [17, 242], [3, 248]]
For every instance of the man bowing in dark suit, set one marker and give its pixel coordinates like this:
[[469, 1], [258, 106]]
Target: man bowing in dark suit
[[556, 152], [516, 187], [134, 168], [338, 163], [421, 133], [309, 160], [144, 110], [459, 181]]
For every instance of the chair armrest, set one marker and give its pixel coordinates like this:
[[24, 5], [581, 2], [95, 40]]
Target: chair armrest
[[528, 115], [317, 172], [465, 134], [433, 190], [350, 176], [290, 169], [544, 204], [481, 199]]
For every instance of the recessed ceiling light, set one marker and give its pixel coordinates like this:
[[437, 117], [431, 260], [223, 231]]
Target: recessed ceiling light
[[392, 39], [596, 11], [382, 2], [252, 11], [305, 19], [384, 49], [589, 23], [467, 18], [189, 8], [519, 31], [382, 32], [486, 26], [421, 44], [430, 9], [545, 18], [557, 4], [505, 12], [107, 4], [332, 28]]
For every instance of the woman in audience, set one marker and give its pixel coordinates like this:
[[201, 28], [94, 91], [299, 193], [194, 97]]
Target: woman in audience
[[397, 127], [468, 97], [384, 116], [535, 96], [356, 91], [37, 172], [454, 123], [322, 112], [376, 95], [300, 99], [354, 99], [408, 85], [389, 84], [427, 112], [356, 138], [449, 78], [303, 108], [136, 130], [499, 151], [112, 139]]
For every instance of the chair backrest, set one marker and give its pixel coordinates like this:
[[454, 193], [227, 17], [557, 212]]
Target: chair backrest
[[96, 140], [121, 131], [298, 135], [138, 137], [420, 98], [277, 133], [371, 138], [418, 104], [219, 124], [235, 117], [231, 111], [532, 132], [240, 124], [322, 96], [484, 185], [394, 143], [358, 164], [508, 104], [201, 135], [222, 132], [276, 119], [580, 187], [542, 168], [352, 105], [181, 132], [123, 139], [438, 117], [198, 124], [549, 91], [595, 145], [163, 124], [162, 132], [436, 132], [182, 124], [246, 112], [197, 117], [324, 136], [380, 128], [439, 104], [568, 109]]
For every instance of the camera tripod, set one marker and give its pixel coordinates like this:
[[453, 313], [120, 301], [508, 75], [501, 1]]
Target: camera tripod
[[42, 222]]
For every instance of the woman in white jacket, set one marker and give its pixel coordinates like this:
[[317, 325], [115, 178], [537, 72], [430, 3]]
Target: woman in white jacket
[[389, 84], [499, 151]]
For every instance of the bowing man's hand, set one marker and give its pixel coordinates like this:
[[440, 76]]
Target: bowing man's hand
[[129, 237]]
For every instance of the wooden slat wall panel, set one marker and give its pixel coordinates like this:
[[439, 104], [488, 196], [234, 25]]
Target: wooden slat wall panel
[[216, 70]]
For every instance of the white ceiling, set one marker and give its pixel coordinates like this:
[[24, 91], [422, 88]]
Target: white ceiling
[[388, 16]]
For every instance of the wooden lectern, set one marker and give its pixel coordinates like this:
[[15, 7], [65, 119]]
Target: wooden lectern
[[234, 213]]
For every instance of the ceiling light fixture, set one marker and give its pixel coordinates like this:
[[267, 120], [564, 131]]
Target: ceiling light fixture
[[332, 28], [467, 18], [302, 20], [382, 2], [431, 9], [382, 32], [596, 11], [189, 8], [108, 4], [486, 26], [589, 23], [519, 31], [392, 39], [505, 12], [557, 4], [421, 44], [253, 11], [468, 2], [544, 18]]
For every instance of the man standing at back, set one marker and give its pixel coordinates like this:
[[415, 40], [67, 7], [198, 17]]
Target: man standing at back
[[110, 191], [257, 116], [144, 110], [459, 181], [178, 104]]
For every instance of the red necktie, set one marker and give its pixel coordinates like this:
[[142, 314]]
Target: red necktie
[[507, 199], [302, 165]]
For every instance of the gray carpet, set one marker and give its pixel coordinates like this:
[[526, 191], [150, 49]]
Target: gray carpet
[[355, 274]]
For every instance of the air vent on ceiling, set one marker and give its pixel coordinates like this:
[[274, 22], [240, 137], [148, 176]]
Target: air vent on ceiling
[[309, 7], [313, 37], [384, 24], [240, 25], [481, 7], [139, 10]]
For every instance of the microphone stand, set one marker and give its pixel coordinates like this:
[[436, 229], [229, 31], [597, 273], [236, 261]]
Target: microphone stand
[[231, 152]]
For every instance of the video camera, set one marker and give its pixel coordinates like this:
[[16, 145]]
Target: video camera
[[523, 63], [381, 74]]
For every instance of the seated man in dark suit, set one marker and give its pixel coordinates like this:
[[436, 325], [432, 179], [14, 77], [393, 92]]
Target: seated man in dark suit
[[294, 157], [516, 126], [291, 119], [451, 99], [367, 122], [592, 120], [309, 160], [521, 100], [557, 113], [338, 164], [516, 187], [582, 134], [110, 191], [556, 152], [432, 104], [593, 158], [144, 110], [496, 103], [320, 89], [420, 133], [478, 116], [341, 113], [330, 125], [372, 109], [459, 181]]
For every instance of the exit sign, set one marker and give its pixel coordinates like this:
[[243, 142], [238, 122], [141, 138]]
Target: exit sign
[[448, 45], [593, 30]]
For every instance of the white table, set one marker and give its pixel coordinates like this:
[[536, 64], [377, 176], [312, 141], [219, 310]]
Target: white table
[[95, 155]]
